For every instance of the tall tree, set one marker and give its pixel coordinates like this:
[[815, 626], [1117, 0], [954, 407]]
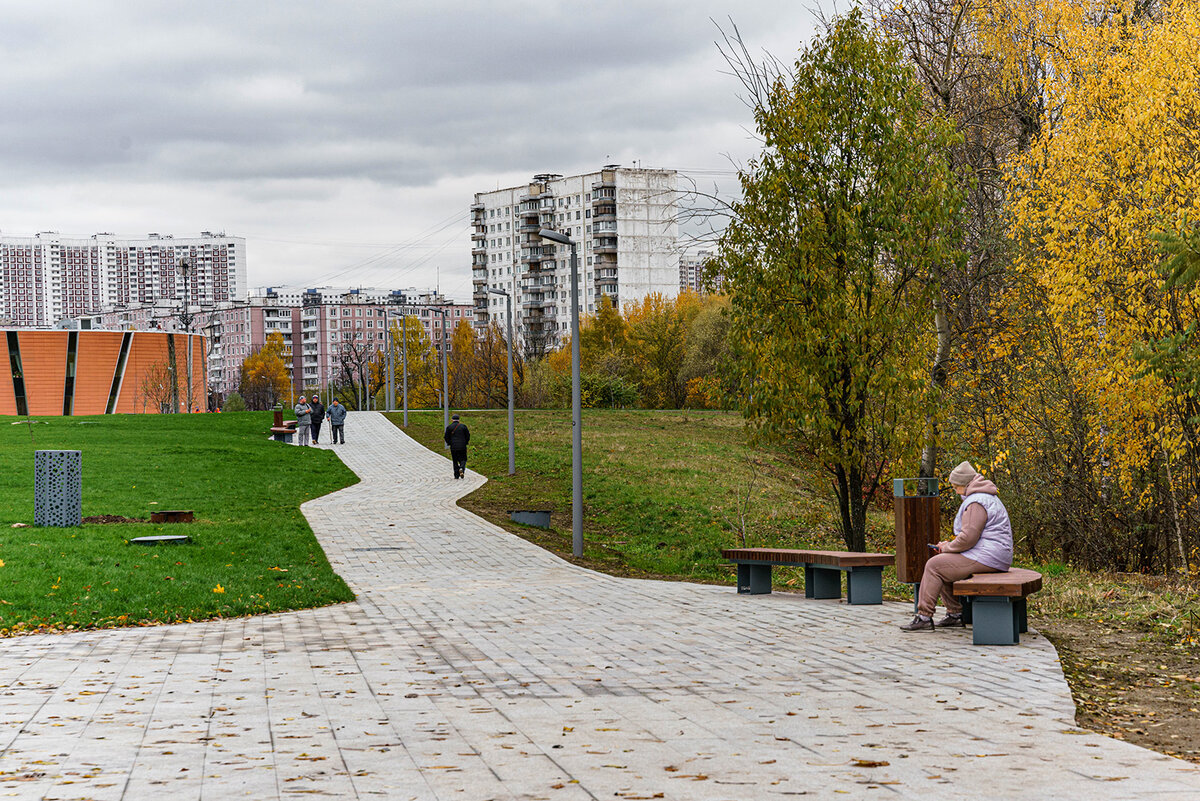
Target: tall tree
[[264, 380], [829, 258]]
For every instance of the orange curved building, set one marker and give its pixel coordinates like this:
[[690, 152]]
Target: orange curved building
[[101, 372]]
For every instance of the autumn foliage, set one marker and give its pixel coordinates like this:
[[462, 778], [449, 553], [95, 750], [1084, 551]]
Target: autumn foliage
[[1072, 320]]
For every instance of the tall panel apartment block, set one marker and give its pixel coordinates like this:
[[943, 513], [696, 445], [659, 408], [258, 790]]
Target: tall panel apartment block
[[47, 278], [624, 224]]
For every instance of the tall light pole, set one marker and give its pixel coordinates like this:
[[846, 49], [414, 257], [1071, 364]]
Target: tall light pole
[[390, 400], [445, 379], [576, 417], [404, 358], [512, 441], [186, 320]]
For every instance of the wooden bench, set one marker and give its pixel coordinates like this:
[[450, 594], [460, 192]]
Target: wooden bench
[[822, 572], [282, 434], [994, 604]]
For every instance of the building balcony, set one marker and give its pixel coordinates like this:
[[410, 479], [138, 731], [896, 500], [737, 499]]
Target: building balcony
[[478, 236], [605, 245], [606, 272], [605, 212], [479, 280], [476, 207], [529, 227], [478, 251], [603, 189]]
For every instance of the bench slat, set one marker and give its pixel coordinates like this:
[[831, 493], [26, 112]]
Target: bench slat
[[1016, 583], [790, 556]]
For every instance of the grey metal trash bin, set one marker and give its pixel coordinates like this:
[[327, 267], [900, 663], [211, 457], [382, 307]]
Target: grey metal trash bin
[[58, 488]]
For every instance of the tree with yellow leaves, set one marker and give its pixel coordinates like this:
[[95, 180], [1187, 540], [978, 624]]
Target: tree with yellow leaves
[[1119, 164], [264, 379]]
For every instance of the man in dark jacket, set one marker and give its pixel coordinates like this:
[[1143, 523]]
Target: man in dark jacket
[[318, 414], [457, 436]]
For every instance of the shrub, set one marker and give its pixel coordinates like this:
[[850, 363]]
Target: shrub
[[234, 403]]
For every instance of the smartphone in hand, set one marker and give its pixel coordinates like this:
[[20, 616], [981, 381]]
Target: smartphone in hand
[[933, 547]]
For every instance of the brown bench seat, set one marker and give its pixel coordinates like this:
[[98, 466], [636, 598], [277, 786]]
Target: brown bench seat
[[822, 572], [994, 604], [282, 433]]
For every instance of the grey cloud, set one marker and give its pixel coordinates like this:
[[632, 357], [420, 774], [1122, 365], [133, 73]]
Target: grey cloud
[[270, 103]]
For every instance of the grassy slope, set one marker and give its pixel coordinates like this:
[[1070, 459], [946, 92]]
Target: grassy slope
[[663, 490], [249, 539]]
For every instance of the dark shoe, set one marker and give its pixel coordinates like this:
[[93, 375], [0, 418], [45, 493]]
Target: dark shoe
[[918, 624], [951, 621]]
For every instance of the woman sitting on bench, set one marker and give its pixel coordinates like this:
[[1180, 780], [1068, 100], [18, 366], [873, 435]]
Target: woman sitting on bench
[[982, 543]]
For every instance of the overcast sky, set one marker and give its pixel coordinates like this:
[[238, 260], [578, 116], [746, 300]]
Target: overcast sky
[[345, 140]]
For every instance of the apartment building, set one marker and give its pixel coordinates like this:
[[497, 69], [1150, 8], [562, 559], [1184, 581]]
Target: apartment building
[[318, 325], [48, 277], [691, 273], [623, 222]]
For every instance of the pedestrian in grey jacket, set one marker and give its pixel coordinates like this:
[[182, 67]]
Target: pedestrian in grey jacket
[[303, 421], [337, 422]]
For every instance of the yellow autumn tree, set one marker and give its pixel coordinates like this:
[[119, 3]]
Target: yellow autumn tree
[[264, 379], [424, 366], [1119, 164]]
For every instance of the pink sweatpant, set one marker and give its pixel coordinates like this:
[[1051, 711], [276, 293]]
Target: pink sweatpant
[[941, 571]]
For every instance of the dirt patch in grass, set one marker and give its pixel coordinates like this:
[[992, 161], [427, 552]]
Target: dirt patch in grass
[[114, 519], [1129, 685]]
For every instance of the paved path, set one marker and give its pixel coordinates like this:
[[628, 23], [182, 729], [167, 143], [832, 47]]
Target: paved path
[[476, 666]]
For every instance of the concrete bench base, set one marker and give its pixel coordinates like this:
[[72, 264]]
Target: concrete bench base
[[994, 604], [283, 434]]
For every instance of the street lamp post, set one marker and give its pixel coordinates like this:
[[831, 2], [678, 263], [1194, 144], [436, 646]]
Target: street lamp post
[[445, 378], [512, 441], [404, 359], [186, 320], [404, 312], [576, 417], [391, 368]]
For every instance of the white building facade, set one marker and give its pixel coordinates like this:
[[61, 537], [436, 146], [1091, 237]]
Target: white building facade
[[623, 221], [47, 278]]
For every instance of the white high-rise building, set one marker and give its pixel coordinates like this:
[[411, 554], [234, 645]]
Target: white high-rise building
[[48, 277], [624, 224]]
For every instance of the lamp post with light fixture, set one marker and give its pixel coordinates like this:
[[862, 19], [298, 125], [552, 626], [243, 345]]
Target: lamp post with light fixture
[[576, 418]]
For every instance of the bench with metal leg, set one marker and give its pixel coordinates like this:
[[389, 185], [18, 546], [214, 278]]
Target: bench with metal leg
[[994, 604], [822, 572]]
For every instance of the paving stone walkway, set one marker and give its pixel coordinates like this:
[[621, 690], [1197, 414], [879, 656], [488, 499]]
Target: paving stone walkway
[[476, 666]]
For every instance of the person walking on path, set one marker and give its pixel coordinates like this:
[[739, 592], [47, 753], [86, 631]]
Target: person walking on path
[[337, 422], [303, 421], [982, 543], [457, 436], [318, 416]]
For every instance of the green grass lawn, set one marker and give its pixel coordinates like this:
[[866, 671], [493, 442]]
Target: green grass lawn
[[251, 551]]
